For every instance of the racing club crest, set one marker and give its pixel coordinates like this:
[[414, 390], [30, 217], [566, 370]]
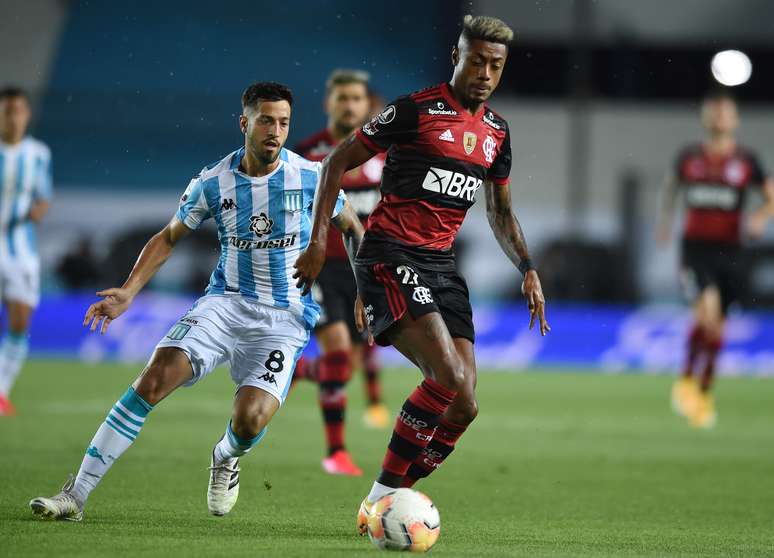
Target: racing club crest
[[261, 224], [469, 142]]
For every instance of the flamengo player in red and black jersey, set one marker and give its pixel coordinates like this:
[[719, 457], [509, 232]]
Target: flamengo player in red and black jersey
[[714, 179], [442, 144], [348, 105]]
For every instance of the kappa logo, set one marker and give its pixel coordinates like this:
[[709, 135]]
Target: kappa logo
[[447, 136], [489, 146], [227, 204], [422, 295], [268, 377], [261, 224], [469, 142], [94, 452], [451, 183]]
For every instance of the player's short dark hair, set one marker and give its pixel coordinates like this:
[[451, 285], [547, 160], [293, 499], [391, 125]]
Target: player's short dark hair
[[10, 91], [484, 28], [266, 91], [344, 76], [718, 94]]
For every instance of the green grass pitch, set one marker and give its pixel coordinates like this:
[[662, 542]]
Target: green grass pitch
[[557, 464]]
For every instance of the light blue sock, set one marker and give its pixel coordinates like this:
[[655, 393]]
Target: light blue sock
[[13, 353], [114, 436], [231, 445]]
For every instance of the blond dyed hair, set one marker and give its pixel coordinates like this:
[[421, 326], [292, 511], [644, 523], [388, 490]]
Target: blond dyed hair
[[486, 28]]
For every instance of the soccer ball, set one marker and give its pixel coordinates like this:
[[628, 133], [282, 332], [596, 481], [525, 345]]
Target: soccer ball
[[404, 520]]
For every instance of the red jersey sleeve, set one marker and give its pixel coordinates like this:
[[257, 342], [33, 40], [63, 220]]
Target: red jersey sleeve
[[396, 124], [501, 167]]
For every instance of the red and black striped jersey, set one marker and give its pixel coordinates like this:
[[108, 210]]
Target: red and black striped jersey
[[361, 184], [438, 156], [714, 188]]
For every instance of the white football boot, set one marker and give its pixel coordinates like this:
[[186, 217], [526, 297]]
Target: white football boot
[[223, 489], [63, 506]]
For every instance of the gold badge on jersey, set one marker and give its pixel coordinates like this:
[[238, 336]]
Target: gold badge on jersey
[[469, 142]]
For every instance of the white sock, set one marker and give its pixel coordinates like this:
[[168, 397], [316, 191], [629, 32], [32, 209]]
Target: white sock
[[232, 446], [114, 436], [13, 353], [379, 491]]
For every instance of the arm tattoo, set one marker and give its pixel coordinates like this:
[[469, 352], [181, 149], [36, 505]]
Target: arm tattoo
[[506, 227]]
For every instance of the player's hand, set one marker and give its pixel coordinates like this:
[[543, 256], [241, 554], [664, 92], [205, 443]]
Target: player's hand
[[308, 266], [100, 314], [756, 225], [361, 319], [533, 291]]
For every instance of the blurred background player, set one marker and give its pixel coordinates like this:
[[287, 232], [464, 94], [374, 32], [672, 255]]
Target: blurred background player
[[714, 178], [25, 179], [443, 144], [348, 105]]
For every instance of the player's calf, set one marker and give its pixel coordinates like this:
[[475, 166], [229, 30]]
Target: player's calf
[[253, 409]]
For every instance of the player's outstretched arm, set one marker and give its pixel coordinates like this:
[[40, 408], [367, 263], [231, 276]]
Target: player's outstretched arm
[[352, 230], [759, 219], [347, 155], [115, 301], [509, 235]]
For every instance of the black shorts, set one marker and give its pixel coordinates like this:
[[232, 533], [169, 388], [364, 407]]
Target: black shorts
[[389, 290], [335, 291], [708, 264]]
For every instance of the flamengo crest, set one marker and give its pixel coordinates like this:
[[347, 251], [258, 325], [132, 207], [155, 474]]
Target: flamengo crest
[[489, 147]]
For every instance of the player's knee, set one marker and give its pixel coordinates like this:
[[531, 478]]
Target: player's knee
[[158, 380], [451, 373], [463, 413]]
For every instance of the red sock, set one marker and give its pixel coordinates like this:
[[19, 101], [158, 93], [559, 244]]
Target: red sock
[[711, 350], [436, 452], [372, 370], [416, 425], [695, 347], [335, 370]]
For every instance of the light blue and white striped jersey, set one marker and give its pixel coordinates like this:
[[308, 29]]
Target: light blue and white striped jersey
[[25, 177], [264, 224]]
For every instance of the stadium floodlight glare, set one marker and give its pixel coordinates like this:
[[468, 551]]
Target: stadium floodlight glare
[[731, 67]]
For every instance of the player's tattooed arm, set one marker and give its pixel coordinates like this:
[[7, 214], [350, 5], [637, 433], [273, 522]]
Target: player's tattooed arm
[[347, 155], [509, 235], [669, 191], [760, 218], [116, 300]]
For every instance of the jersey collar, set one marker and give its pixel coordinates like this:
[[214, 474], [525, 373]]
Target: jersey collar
[[447, 93]]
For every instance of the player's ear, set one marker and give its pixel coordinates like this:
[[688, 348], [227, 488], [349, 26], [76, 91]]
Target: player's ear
[[455, 55], [243, 123]]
